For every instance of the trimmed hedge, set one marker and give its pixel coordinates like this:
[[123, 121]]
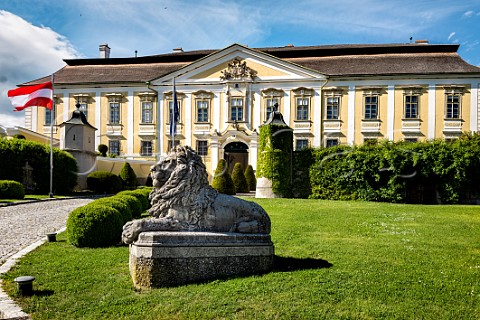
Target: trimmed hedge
[[10, 189], [94, 225], [250, 177], [118, 204], [141, 196], [133, 202], [222, 181], [104, 182], [422, 172], [239, 180], [128, 177], [15, 153]]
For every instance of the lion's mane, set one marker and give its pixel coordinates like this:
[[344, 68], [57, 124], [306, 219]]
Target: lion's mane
[[187, 187]]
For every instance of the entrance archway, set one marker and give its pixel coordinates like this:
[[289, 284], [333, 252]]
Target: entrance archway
[[236, 152]]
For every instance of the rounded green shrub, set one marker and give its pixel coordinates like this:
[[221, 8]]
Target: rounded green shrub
[[102, 148], [94, 225], [238, 177], [10, 189], [133, 202], [104, 182], [222, 180], [141, 196], [118, 204], [250, 177], [128, 177]]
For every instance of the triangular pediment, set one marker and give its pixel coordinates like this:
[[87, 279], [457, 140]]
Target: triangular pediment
[[239, 63]]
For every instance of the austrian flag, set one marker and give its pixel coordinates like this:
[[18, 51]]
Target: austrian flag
[[40, 95]]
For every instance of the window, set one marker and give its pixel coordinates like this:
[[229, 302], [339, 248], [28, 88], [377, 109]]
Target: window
[[48, 116], [82, 102], [202, 110], [114, 147], [169, 146], [270, 107], [331, 142], [170, 108], [410, 139], [333, 107], [147, 111], [411, 107], [302, 108], [371, 107], [236, 109], [146, 148], [453, 106], [301, 144], [114, 102], [202, 147]]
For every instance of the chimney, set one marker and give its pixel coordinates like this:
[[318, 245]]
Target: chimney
[[177, 50], [104, 51], [421, 41]]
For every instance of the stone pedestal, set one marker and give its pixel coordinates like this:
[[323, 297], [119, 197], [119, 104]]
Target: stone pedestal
[[160, 259]]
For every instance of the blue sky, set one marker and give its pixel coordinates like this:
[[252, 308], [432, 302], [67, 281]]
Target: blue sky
[[35, 35]]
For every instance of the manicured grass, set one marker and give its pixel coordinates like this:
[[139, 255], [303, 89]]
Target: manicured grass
[[29, 197], [335, 260]]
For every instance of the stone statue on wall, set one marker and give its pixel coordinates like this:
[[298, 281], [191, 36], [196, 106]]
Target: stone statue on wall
[[183, 200]]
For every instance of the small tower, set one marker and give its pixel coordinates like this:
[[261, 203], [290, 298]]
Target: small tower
[[274, 167], [78, 138]]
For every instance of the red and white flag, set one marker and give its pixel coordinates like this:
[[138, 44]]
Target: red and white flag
[[40, 95]]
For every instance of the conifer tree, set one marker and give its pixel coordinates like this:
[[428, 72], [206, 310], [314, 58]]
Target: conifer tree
[[222, 180], [238, 177], [250, 177], [128, 177]]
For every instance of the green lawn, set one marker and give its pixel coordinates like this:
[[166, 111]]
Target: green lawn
[[335, 260]]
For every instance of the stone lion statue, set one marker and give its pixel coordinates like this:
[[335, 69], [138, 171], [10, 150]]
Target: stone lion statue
[[183, 200]]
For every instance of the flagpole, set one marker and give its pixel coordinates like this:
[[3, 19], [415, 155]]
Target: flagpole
[[172, 116], [51, 142]]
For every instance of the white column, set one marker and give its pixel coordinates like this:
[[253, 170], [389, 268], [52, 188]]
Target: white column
[[216, 111], [317, 118], [431, 112], [35, 119], [160, 125], [98, 113], [390, 112], [257, 111], [130, 124], [66, 106], [474, 107], [287, 108], [351, 115], [252, 154], [214, 153], [188, 120]]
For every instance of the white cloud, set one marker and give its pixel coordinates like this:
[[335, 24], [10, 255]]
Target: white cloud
[[451, 35], [468, 14], [27, 52]]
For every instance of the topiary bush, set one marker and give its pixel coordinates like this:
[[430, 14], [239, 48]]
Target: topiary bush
[[133, 202], [239, 180], [94, 225], [250, 177], [128, 177], [222, 181], [140, 195], [103, 149], [104, 182], [118, 204], [10, 189]]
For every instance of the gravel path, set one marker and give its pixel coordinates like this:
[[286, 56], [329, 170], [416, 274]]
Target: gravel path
[[24, 224]]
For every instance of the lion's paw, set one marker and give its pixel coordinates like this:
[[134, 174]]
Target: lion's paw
[[131, 230]]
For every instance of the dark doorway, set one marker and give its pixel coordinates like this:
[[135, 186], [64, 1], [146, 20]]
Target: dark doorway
[[236, 152]]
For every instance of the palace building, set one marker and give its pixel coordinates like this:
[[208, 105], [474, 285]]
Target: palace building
[[329, 95]]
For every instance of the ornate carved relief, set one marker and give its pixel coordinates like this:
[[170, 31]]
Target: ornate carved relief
[[238, 70]]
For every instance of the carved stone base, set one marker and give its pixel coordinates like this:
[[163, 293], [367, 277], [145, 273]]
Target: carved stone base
[[160, 259]]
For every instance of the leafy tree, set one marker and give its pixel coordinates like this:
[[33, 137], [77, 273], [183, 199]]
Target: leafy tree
[[238, 177], [222, 180]]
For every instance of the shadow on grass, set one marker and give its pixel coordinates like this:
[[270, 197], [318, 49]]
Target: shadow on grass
[[42, 293], [285, 264]]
